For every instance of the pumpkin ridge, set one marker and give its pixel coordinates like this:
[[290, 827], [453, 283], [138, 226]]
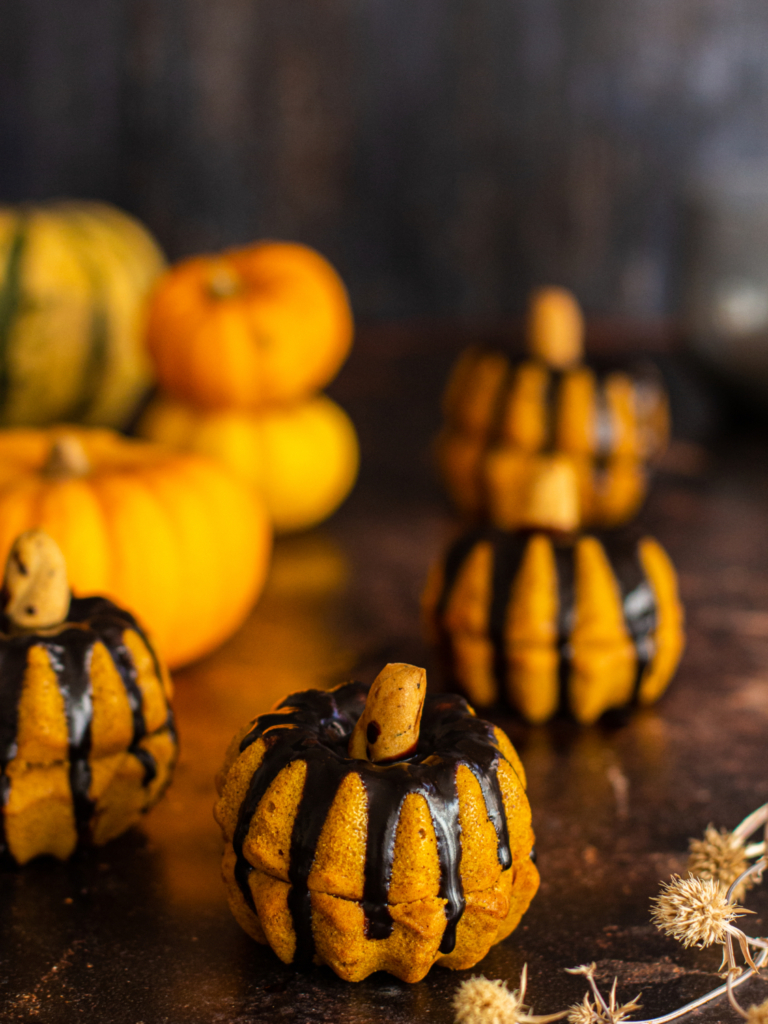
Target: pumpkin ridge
[[70, 511], [73, 342], [10, 301], [227, 504], [97, 351], [133, 510], [192, 508]]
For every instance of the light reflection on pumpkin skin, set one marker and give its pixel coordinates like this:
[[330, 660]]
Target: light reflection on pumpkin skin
[[291, 641]]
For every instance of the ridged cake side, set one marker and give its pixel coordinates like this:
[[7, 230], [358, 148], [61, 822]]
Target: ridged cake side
[[421, 916], [87, 740], [582, 627]]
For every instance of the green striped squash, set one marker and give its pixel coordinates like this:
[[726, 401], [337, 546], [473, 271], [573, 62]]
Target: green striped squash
[[74, 277]]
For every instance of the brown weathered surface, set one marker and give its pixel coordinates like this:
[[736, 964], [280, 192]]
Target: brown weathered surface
[[139, 931]]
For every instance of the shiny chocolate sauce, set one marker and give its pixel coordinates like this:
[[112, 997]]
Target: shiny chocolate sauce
[[605, 439], [316, 729], [69, 647], [638, 598]]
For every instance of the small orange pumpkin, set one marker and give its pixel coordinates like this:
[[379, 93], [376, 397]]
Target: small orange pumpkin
[[175, 538], [248, 328], [302, 459]]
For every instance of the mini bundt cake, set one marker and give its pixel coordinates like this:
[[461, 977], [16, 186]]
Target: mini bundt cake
[[376, 830], [87, 740], [548, 622], [503, 417]]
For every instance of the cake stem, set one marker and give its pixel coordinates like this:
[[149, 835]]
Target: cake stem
[[555, 328], [67, 458], [388, 729], [35, 588]]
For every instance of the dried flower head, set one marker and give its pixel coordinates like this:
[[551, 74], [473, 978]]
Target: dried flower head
[[616, 1014], [758, 1014], [695, 911], [721, 856], [481, 1001], [598, 1010], [585, 1013]]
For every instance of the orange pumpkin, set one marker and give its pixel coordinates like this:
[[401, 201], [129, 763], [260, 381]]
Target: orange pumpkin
[[250, 327], [177, 539], [302, 459]]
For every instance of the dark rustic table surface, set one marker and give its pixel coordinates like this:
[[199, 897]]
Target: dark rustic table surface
[[138, 932]]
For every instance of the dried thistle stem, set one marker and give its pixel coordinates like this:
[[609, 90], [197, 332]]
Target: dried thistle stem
[[732, 998], [757, 819]]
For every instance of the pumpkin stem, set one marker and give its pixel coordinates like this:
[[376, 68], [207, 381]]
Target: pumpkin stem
[[224, 282], [35, 588], [67, 458], [553, 496], [555, 327], [388, 729]]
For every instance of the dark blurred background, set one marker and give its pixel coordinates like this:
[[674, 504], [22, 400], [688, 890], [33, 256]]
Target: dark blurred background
[[445, 154]]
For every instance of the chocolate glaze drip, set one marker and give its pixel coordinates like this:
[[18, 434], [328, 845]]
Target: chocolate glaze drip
[[604, 440], [551, 408], [322, 723], [638, 599], [69, 651], [566, 600], [640, 610]]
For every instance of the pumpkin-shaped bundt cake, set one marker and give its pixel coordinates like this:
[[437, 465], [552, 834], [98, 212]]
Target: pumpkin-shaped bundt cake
[[547, 621], [87, 740], [376, 830], [503, 418]]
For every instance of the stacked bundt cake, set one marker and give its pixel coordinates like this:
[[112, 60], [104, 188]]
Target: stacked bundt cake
[[505, 418], [381, 830], [547, 621], [87, 740]]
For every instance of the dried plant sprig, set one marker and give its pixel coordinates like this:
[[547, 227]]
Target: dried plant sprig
[[753, 821], [586, 1012], [695, 911], [617, 1013], [481, 1001], [721, 856], [588, 970], [698, 911], [598, 1010]]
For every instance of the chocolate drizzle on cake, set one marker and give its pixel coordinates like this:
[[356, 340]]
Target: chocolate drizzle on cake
[[316, 729], [69, 648], [637, 595], [556, 382]]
